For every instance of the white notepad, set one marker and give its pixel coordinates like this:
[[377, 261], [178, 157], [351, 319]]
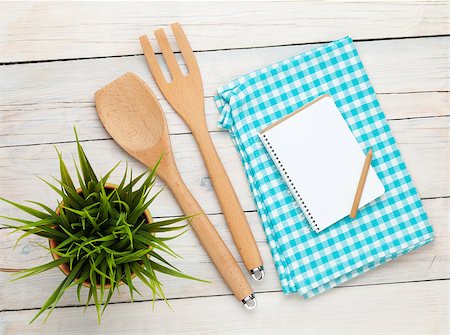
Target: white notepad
[[321, 162]]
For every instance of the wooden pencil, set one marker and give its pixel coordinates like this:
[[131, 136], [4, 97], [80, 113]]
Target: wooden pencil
[[362, 181]]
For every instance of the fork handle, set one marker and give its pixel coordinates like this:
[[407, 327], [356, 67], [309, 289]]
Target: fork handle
[[231, 207], [210, 240]]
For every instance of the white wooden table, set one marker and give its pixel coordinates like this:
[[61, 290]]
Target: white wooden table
[[53, 57]]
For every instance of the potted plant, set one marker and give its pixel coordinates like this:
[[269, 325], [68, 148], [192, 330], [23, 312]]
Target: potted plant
[[101, 235]]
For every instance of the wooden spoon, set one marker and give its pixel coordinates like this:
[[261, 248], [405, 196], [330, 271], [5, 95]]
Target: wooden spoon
[[132, 115]]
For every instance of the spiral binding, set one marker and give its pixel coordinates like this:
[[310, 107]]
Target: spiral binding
[[292, 186]]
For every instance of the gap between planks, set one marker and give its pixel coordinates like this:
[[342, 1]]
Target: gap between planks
[[420, 141], [218, 130], [220, 49], [345, 311], [427, 263], [44, 31], [221, 295], [249, 211]]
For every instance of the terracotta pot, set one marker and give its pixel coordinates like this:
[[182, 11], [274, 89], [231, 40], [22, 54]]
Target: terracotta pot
[[65, 267]]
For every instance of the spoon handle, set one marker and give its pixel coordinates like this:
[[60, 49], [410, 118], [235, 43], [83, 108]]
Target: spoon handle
[[211, 240]]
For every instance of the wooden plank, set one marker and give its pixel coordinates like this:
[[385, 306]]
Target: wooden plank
[[414, 308], [40, 103], [423, 142], [19, 122], [427, 263], [41, 31]]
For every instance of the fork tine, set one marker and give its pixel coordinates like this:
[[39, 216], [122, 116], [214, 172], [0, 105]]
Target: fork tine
[[152, 62], [185, 47], [167, 53]]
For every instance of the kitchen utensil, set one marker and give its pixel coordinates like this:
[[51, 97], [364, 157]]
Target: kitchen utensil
[[185, 94], [133, 117]]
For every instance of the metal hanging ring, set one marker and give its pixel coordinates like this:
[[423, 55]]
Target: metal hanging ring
[[257, 273], [249, 301]]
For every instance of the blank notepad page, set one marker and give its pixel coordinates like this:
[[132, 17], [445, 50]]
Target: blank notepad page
[[321, 162]]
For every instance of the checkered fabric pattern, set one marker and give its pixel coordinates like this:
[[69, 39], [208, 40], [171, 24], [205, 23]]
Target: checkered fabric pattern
[[390, 226]]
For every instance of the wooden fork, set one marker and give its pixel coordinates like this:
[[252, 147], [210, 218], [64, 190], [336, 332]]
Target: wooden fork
[[185, 95]]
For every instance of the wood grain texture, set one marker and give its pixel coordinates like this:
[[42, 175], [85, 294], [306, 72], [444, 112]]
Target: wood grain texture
[[413, 308], [41, 31], [430, 262], [18, 121], [423, 143], [411, 78], [40, 102]]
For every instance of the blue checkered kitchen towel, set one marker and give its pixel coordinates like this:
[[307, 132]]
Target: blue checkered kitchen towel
[[396, 223]]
